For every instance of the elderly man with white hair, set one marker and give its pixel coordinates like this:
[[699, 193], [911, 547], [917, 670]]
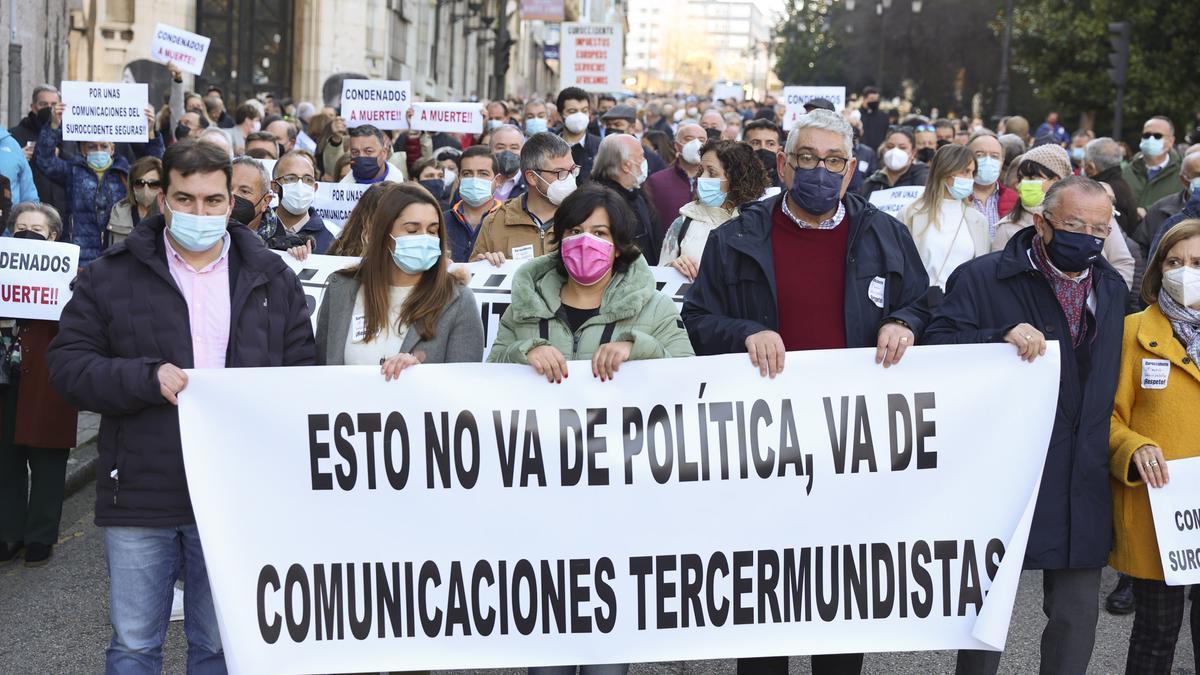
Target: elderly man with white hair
[[218, 138], [672, 187], [621, 165]]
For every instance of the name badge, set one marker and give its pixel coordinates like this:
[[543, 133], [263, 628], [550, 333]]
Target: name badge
[[523, 253], [875, 291], [360, 328], [1155, 373]]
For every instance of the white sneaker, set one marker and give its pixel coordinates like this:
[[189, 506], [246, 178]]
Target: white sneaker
[[177, 605]]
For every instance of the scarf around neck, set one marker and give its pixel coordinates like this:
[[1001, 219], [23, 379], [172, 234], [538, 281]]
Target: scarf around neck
[[1185, 321]]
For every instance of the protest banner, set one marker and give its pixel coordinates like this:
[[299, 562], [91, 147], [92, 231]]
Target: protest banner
[[796, 97], [726, 90], [382, 103], [542, 10], [35, 277], [592, 56], [105, 111], [687, 509], [184, 49], [1176, 510], [335, 201], [894, 200], [491, 285], [455, 118]]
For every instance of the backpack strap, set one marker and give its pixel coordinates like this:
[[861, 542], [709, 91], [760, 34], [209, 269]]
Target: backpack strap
[[544, 329], [606, 336], [683, 228]]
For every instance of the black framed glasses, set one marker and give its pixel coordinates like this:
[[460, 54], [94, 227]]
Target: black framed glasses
[[561, 174], [807, 160]]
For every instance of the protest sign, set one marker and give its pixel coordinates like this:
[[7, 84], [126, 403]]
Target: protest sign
[[592, 56], [542, 10], [335, 201], [105, 111], [687, 509], [455, 118], [382, 103], [35, 277], [184, 49], [491, 285], [726, 90], [796, 97], [893, 201], [1176, 509]]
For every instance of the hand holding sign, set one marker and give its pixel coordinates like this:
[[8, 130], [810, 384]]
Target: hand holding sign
[[548, 361], [171, 381]]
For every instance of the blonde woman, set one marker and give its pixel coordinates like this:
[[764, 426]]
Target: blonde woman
[[947, 230]]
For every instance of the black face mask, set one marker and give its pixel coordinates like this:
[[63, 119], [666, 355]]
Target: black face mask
[[29, 234], [768, 161], [42, 117], [244, 210], [713, 134], [942, 142], [925, 155], [509, 162], [435, 186], [873, 106], [181, 132]]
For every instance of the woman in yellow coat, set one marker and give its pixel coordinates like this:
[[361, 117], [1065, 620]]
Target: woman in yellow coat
[[1155, 420]]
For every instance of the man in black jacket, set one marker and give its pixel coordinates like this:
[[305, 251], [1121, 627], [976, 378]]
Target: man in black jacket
[[187, 289], [1102, 162], [621, 165]]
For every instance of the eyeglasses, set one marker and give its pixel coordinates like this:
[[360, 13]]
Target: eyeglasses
[[291, 178], [147, 183], [926, 127], [561, 174], [807, 161], [1152, 134], [1100, 231]]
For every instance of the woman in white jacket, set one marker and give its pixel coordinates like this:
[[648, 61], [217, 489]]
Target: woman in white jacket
[[947, 230], [730, 176]]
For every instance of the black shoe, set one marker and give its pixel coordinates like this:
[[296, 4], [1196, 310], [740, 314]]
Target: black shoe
[[37, 555], [9, 551], [1119, 602]]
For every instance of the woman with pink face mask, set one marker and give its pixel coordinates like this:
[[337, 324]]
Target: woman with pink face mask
[[593, 299]]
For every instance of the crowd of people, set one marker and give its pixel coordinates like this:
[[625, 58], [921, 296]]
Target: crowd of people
[[1017, 237]]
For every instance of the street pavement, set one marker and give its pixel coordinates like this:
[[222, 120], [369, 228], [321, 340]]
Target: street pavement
[[55, 620]]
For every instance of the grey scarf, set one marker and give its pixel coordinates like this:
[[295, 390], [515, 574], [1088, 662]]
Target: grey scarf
[[1185, 321]]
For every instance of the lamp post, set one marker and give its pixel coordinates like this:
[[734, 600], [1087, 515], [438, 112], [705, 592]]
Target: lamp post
[[1005, 49]]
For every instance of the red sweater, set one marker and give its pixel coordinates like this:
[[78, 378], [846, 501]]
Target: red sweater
[[810, 282]]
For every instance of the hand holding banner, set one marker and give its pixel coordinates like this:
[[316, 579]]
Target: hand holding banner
[[35, 277]]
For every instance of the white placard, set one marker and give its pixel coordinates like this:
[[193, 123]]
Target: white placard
[[795, 98], [1176, 509], [455, 118], [893, 201], [381, 103], [35, 277], [491, 285], [726, 90], [335, 201], [184, 49], [105, 111], [592, 56], [476, 516]]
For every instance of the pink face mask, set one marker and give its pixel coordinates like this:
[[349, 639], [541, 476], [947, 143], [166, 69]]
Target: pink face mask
[[587, 257]]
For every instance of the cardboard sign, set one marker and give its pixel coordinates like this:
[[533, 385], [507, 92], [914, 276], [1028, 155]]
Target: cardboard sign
[[184, 49], [335, 201], [893, 201], [796, 97], [35, 277], [456, 118], [1176, 509], [381, 103], [592, 56], [105, 111]]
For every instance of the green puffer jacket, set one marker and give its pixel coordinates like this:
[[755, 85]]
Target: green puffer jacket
[[632, 310]]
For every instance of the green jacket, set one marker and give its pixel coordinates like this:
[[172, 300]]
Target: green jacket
[[631, 306], [1165, 182]]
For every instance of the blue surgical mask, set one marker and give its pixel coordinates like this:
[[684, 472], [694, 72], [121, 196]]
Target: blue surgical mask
[[364, 168], [987, 170], [1151, 147], [416, 253], [99, 159], [962, 187], [475, 191], [1194, 187], [1078, 154], [196, 233], [535, 125], [816, 190], [708, 191]]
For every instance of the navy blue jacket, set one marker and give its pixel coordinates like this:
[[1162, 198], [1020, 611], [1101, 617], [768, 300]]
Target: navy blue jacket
[[313, 229], [1190, 210], [584, 155], [462, 234], [734, 295], [985, 299], [646, 233], [125, 319]]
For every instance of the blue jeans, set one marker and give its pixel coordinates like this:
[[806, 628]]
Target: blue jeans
[[143, 564]]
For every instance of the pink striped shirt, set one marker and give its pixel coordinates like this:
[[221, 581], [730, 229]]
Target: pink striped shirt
[[206, 292]]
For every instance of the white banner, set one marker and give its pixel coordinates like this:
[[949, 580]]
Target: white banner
[[105, 111], [1176, 509], [335, 201], [476, 516], [727, 90], [35, 277], [593, 55], [184, 49], [894, 200], [455, 118], [796, 97], [382, 103], [492, 286]]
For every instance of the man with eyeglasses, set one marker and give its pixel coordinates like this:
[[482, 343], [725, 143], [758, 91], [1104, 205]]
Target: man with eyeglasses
[[295, 182], [1051, 283], [816, 268], [1154, 171], [523, 227]]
